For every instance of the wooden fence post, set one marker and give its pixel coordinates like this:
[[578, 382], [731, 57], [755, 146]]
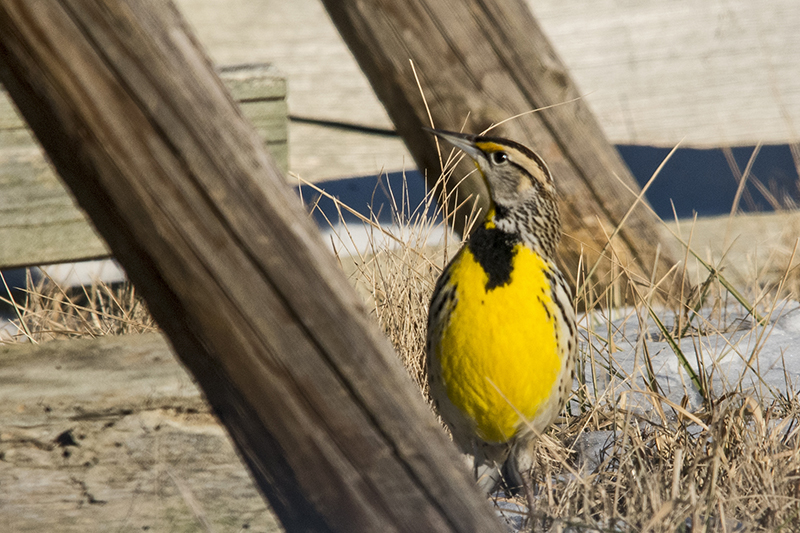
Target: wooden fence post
[[480, 62], [144, 133]]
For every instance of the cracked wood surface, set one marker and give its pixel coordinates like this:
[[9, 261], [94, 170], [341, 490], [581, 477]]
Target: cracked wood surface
[[111, 434]]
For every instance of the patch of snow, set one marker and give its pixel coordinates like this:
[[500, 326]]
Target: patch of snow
[[734, 354], [358, 239], [85, 272]]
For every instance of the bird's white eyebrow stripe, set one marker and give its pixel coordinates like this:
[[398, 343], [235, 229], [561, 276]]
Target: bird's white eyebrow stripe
[[545, 173]]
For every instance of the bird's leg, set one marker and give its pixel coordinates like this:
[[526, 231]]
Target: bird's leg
[[526, 475], [475, 460]]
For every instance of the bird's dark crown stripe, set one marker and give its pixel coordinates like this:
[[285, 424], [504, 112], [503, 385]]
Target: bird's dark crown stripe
[[494, 251]]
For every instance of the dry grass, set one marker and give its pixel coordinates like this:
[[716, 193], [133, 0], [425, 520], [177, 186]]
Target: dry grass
[[628, 456], [720, 456], [50, 312]]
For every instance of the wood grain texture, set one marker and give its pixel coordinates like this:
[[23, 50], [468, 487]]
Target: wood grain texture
[[708, 74], [142, 130], [480, 62], [110, 434], [39, 221], [324, 81], [747, 247]]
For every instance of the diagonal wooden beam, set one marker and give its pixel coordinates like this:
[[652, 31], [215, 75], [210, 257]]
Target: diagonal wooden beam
[[480, 62], [179, 185]]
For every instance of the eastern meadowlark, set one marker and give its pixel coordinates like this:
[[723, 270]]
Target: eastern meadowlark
[[502, 338]]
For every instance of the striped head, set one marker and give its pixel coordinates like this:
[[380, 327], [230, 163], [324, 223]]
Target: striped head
[[523, 196]]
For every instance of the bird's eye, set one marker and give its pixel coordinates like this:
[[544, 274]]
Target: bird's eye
[[498, 158]]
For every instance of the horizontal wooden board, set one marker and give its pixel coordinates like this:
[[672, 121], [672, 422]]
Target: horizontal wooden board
[[39, 222], [110, 434], [707, 73], [749, 249]]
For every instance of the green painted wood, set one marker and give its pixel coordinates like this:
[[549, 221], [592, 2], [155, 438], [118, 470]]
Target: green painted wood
[[39, 222]]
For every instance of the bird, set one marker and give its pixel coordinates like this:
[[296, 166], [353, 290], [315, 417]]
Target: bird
[[502, 336]]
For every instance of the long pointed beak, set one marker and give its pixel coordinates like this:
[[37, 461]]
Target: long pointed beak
[[463, 141]]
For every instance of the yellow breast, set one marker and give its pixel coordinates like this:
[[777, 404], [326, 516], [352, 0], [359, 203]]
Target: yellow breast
[[498, 352]]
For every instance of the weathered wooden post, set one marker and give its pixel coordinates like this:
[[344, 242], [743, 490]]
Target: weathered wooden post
[[142, 130], [480, 62]]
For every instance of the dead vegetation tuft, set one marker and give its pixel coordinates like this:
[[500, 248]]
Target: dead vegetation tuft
[[50, 311], [718, 452]]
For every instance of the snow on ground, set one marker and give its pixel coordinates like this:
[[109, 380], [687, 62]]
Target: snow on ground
[[728, 346], [737, 354], [357, 240]]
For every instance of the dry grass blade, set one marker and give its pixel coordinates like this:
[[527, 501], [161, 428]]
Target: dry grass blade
[[17, 311], [636, 202], [678, 352], [636, 453], [751, 309]]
